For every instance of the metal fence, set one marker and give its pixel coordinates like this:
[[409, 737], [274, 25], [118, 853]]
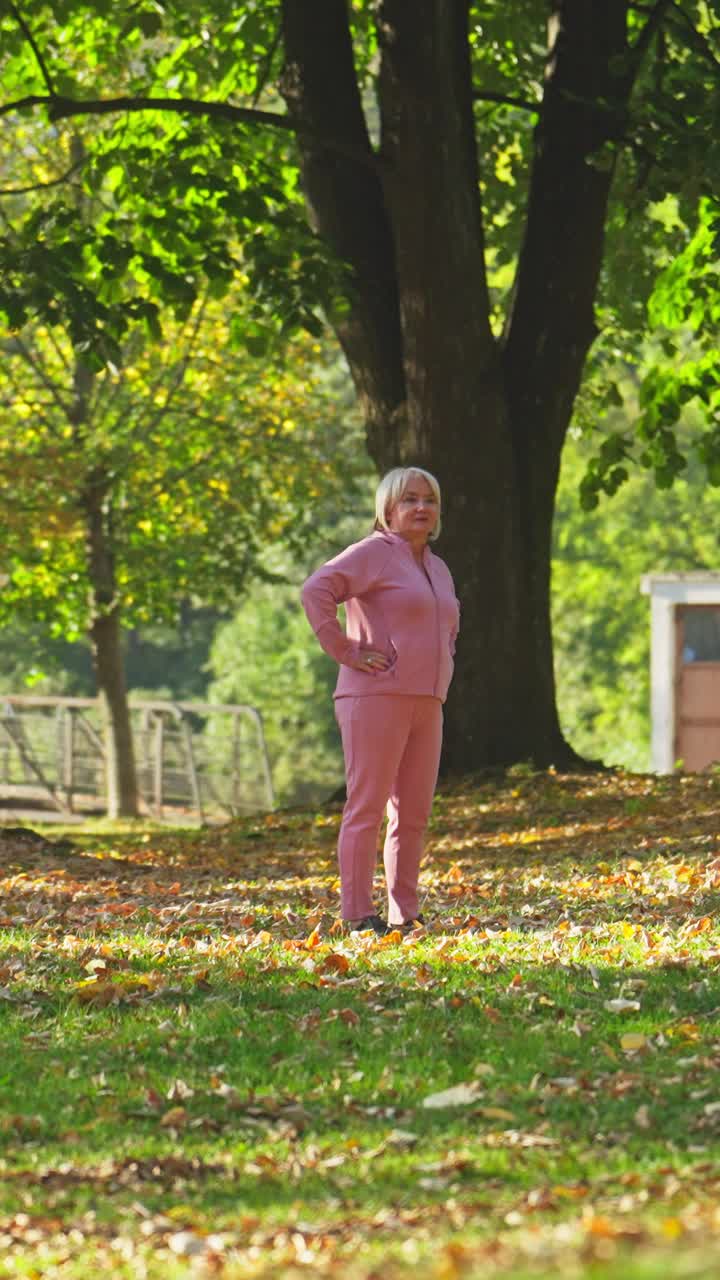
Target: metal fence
[[199, 759]]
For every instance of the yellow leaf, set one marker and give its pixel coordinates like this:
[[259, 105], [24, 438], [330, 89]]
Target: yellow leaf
[[496, 1113], [633, 1041], [570, 1193], [175, 1118], [179, 1212]]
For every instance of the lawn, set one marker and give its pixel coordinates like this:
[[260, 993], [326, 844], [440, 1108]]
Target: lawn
[[201, 1075]]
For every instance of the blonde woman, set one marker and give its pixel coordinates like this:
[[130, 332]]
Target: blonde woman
[[396, 663]]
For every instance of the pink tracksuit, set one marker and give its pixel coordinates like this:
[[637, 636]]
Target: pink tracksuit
[[390, 721]]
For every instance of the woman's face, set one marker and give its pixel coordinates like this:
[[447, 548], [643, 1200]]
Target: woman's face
[[415, 514]]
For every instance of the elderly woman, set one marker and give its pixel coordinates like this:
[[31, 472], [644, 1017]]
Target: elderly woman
[[396, 662]]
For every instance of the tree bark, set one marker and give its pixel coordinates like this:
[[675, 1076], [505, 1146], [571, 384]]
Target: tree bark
[[108, 662], [347, 207], [487, 414]]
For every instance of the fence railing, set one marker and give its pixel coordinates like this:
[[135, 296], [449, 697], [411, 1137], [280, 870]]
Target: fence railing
[[198, 758]]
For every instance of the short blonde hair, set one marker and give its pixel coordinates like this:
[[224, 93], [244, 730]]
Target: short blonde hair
[[391, 488]]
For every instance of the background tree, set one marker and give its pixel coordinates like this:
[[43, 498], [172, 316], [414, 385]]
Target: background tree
[[463, 163], [133, 490]]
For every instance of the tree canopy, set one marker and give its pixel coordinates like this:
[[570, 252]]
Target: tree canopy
[[192, 160], [201, 458]]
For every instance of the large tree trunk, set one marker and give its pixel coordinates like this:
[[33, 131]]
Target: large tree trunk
[[488, 415], [108, 662]]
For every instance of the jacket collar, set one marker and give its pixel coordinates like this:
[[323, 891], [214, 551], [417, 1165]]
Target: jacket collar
[[399, 541]]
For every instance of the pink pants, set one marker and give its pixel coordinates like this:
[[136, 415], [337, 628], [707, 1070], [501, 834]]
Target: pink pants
[[392, 746]]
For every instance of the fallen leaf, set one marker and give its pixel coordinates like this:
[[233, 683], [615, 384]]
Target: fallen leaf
[[459, 1095], [334, 962], [175, 1118], [349, 1017], [496, 1113], [186, 1244], [633, 1042]]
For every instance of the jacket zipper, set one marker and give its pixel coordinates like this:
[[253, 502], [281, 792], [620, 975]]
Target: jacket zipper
[[437, 634]]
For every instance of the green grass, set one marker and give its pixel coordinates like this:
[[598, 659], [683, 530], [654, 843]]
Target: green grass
[[193, 1060]]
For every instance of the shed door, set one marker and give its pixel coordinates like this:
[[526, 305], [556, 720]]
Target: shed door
[[697, 691]]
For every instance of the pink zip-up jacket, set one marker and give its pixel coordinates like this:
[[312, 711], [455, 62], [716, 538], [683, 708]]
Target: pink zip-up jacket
[[392, 605]]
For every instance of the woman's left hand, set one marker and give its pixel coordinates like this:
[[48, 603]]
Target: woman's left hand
[[372, 660]]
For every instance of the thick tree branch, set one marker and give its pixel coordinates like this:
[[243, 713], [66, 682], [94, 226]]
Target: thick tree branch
[[344, 190], [551, 322], [60, 107], [24, 104], [63, 108]]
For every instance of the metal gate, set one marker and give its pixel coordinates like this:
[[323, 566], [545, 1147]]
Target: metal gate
[[199, 760]]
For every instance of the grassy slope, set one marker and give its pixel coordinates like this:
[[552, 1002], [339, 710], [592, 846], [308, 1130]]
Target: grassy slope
[[199, 1074]]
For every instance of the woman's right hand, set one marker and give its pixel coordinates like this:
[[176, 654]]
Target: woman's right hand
[[371, 660]]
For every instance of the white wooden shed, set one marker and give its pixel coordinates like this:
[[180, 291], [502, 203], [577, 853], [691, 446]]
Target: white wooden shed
[[684, 669]]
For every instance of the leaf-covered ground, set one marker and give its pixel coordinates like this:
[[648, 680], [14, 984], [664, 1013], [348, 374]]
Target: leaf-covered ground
[[200, 1074]]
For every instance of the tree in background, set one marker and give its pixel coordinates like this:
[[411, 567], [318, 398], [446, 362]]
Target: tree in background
[[133, 489], [485, 174]]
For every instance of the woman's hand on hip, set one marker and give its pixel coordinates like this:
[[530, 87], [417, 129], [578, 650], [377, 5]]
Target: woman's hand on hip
[[371, 660]]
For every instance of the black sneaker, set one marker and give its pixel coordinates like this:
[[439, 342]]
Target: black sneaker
[[376, 923], [408, 926]]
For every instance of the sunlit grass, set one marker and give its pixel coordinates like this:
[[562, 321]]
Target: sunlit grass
[[199, 1067]]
